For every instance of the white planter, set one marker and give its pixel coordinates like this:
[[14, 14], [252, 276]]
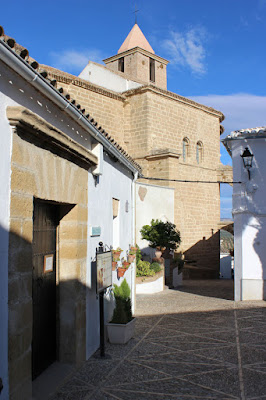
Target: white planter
[[121, 333], [177, 278]]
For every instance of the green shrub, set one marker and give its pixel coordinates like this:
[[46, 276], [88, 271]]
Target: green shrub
[[143, 269], [156, 267], [138, 255], [122, 312]]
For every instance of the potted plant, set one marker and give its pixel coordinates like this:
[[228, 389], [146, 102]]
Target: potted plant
[[131, 256], [161, 235], [121, 272], [134, 249], [121, 327], [116, 254], [114, 265], [125, 263]]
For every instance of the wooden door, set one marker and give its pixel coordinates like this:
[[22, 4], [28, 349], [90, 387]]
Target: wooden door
[[45, 221]]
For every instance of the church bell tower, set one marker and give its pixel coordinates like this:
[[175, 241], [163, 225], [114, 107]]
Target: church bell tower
[[137, 61]]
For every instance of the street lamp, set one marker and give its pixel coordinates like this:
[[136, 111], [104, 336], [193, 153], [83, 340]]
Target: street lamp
[[247, 158]]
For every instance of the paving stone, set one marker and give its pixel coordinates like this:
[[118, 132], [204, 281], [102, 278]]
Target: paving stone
[[188, 345]]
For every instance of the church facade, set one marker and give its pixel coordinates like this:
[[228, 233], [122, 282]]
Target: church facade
[[174, 139]]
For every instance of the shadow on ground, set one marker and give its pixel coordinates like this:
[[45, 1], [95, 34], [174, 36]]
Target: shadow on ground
[[186, 346], [218, 288]]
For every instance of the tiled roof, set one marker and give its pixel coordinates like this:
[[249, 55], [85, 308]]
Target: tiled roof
[[135, 38], [251, 132], [24, 54]]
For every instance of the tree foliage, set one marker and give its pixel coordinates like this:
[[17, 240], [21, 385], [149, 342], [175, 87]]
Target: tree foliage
[[161, 234]]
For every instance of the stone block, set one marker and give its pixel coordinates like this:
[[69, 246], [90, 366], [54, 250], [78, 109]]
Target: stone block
[[21, 206]]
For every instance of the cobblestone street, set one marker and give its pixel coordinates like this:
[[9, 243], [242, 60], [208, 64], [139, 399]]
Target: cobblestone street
[[193, 343]]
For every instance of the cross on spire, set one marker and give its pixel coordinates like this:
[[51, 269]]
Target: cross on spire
[[135, 12]]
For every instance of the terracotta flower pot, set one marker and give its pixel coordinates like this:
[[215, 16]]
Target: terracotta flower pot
[[158, 253], [121, 271], [131, 258], [133, 249], [126, 264], [114, 264]]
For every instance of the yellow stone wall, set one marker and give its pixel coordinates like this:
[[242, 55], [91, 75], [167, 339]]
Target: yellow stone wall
[[39, 173], [146, 121]]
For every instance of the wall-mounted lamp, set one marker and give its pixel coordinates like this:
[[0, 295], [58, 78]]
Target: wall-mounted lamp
[[247, 158]]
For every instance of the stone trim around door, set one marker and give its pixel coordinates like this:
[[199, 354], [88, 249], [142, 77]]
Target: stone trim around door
[[31, 123], [37, 172]]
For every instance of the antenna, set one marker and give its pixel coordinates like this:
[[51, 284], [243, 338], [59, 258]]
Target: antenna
[[135, 12]]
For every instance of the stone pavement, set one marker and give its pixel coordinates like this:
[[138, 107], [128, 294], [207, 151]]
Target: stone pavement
[[192, 343]]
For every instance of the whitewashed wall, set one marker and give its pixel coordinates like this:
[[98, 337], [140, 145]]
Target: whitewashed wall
[[100, 75], [152, 202], [116, 182], [5, 162], [249, 211]]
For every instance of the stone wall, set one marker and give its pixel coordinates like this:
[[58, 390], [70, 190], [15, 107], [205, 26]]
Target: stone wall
[[42, 174], [149, 122]]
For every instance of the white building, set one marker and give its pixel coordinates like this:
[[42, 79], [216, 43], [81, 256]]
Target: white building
[[65, 186], [249, 212]]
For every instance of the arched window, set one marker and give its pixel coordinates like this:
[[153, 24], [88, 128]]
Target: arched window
[[185, 148], [199, 152]]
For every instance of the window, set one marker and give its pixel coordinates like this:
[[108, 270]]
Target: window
[[121, 64], [152, 70], [199, 152], [185, 149]]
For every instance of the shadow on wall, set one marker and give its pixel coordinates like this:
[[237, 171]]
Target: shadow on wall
[[64, 301], [3, 314], [203, 258]]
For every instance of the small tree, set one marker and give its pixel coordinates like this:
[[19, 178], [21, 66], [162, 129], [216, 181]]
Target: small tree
[[161, 234]]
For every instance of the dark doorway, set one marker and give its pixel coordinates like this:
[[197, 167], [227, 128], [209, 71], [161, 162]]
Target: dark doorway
[[45, 221]]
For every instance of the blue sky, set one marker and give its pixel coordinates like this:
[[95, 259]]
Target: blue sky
[[216, 48]]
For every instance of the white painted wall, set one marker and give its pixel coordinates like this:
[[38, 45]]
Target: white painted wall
[[150, 287], [249, 211], [116, 182], [104, 77], [152, 202], [5, 161], [225, 266]]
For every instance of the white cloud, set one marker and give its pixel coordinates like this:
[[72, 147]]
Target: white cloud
[[187, 49], [241, 110], [74, 61]]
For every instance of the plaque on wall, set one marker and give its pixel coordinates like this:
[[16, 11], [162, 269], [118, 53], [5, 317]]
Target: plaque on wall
[[48, 264]]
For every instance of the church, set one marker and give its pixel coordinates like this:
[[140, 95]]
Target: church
[[174, 139]]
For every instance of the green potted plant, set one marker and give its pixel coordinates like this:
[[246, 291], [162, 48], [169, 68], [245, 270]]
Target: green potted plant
[[131, 256], [161, 235], [121, 327], [116, 254]]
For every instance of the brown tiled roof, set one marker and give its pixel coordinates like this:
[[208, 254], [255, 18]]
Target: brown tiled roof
[[24, 54]]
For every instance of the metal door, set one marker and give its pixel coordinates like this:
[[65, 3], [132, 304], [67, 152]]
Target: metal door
[[45, 221]]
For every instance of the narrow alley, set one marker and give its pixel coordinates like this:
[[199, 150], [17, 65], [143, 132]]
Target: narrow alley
[[193, 343]]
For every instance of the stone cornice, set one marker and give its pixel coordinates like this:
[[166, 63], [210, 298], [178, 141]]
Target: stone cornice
[[26, 121], [136, 50], [174, 96], [64, 77]]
